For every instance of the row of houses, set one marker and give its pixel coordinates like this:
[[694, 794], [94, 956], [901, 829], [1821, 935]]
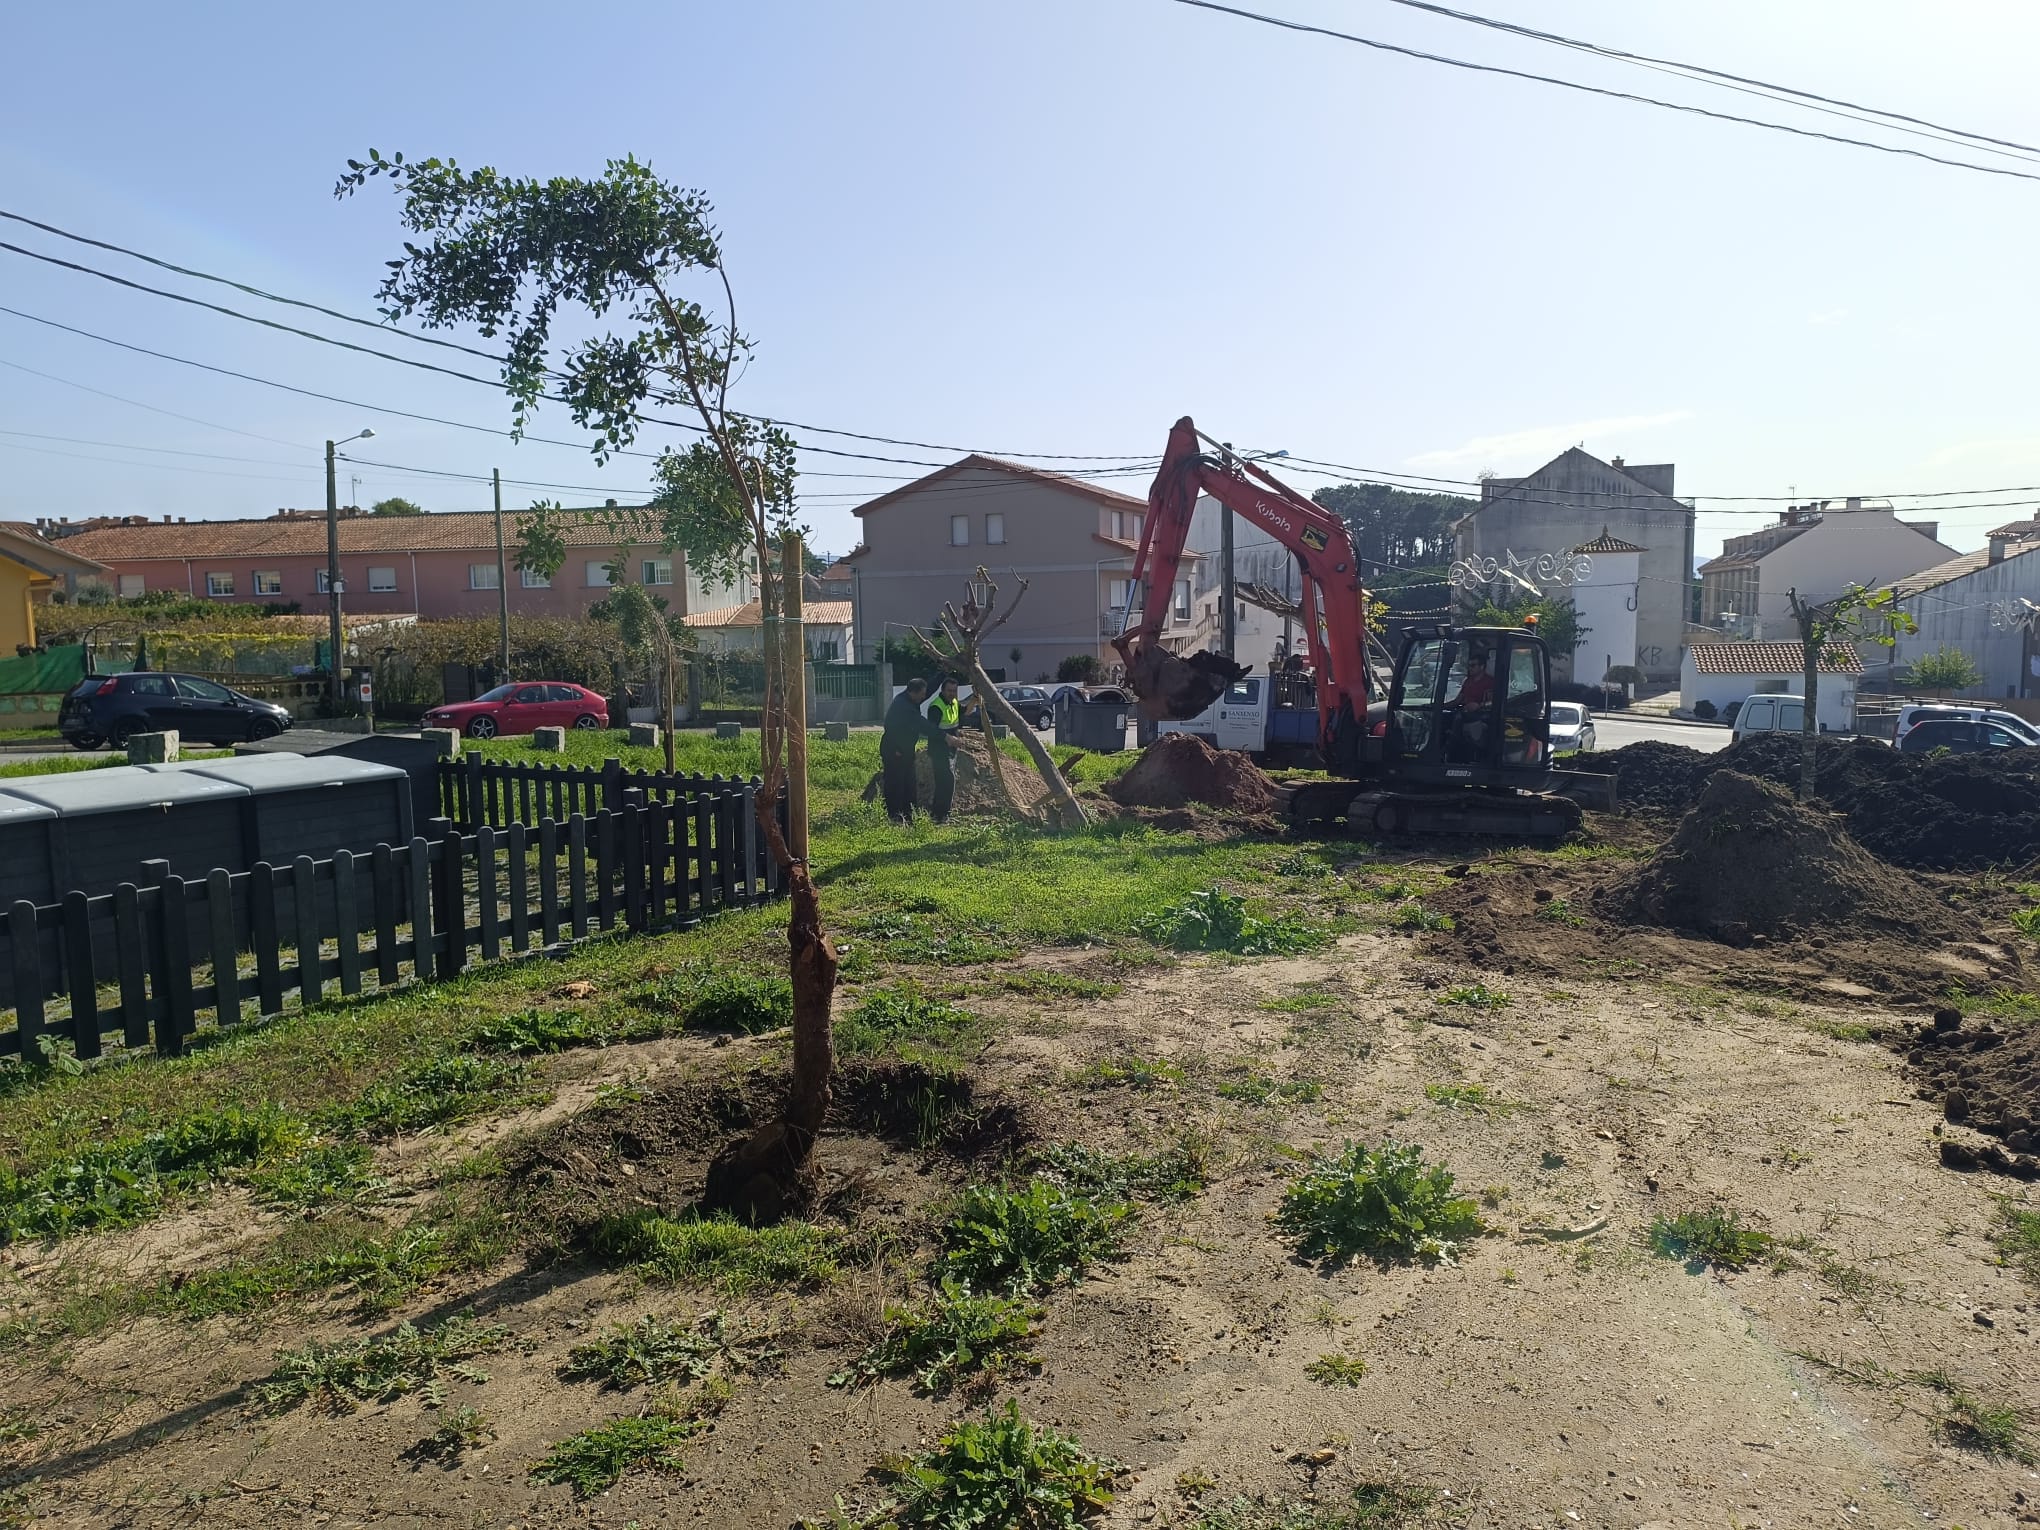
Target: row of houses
[[1610, 536]]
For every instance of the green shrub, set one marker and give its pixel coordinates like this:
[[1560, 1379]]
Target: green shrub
[[1413, 915], [1000, 1472], [538, 1030], [746, 1003], [356, 1371], [1216, 920], [951, 1336], [1476, 996], [331, 1174], [1382, 1202], [445, 1089], [719, 1251], [654, 1349], [596, 1459], [123, 1181], [1178, 1173], [1028, 1239], [1716, 1237], [886, 1017]]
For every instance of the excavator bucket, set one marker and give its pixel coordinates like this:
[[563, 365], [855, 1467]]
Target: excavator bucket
[[1173, 689]]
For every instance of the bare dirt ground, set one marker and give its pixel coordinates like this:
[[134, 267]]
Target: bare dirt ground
[[1560, 1375]]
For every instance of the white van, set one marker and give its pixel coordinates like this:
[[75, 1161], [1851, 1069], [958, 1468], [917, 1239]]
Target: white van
[[1770, 714], [1237, 720]]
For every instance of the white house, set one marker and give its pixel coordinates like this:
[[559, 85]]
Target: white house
[[740, 629], [1605, 600], [1819, 550], [1724, 673]]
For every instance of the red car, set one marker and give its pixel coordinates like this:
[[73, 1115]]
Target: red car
[[521, 707]]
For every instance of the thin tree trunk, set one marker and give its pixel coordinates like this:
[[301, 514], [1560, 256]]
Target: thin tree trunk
[[1070, 810], [813, 969], [1809, 727]]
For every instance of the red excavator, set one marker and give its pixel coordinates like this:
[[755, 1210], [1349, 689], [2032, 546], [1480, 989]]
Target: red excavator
[[1461, 743]]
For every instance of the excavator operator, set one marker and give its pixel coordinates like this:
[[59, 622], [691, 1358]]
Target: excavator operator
[[1476, 695]]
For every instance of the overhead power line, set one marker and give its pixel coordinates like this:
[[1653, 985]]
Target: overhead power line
[[1855, 110], [189, 419], [1290, 25], [386, 328]]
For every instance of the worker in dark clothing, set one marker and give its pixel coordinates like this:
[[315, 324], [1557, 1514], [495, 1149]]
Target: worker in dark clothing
[[905, 727], [945, 721]]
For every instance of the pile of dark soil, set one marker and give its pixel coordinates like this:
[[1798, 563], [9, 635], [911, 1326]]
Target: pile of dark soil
[[1986, 1079], [1664, 777], [1951, 813], [1750, 862], [1180, 768], [653, 1151]]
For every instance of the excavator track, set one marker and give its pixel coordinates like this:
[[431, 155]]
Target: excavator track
[[1499, 812]]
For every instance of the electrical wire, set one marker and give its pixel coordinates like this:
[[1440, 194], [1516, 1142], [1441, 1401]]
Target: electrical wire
[[1287, 24], [1897, 121], [189, 419], [130, 446]]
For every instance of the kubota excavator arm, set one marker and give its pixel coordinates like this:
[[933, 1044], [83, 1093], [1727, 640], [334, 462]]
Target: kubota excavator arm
[[1334, 604]]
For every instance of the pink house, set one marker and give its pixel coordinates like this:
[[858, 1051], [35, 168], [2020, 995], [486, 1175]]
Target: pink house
[[428, 565]]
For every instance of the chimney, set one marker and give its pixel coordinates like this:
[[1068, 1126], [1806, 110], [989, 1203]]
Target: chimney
[[609, 504], [166, 520], [1855, 502], [1997, 549], [1616, 463], [1931, 530], [182, 522]]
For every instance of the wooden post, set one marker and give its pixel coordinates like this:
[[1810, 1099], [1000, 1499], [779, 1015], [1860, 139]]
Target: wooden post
[[793, 680]]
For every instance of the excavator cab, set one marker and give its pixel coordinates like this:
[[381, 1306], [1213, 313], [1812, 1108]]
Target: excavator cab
[[1469, 706]]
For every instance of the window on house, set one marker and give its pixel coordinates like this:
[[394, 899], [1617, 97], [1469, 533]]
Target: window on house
[[598, 573], [482, 576], [1116, 592], [995, 529], [268, 582], [319, 581], [219, 584], [959, 531], [1117, 523], [1182, 600], [382, 581], [131, 586], [658, 571], [535, 579]]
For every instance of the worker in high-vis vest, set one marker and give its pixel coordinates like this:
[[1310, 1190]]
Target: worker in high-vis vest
[[945, 720]]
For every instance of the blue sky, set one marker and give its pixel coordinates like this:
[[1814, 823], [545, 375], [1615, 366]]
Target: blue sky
[[1055, 227]]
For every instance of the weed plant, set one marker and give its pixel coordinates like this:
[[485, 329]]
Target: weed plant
[[357, 1371], [956, 1333], [1713, 1237], [1385, 1203], [1030, 1238]]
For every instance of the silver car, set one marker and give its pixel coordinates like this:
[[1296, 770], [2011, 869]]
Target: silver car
[[1572, 727]]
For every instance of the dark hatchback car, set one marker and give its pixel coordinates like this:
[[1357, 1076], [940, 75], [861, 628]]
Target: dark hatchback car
[[107, 708], [1960, 737]]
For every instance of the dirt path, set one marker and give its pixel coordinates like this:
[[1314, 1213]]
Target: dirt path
[[1562, 1377]]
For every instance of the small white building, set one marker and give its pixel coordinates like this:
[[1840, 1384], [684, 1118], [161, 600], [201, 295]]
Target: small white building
[[1725, 673], [740, 629], [1605, 601]]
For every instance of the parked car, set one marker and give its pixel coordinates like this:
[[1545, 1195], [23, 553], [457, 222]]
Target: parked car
[[1031, 702], [1911, 717], [1572, 727], [106, 709], [523, 706], [1783, 713], [1961, 736]]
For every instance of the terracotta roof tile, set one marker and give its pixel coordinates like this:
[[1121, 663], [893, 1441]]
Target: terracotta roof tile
[[818, 613], [452, 531], [1771, 659], [1606, 543]]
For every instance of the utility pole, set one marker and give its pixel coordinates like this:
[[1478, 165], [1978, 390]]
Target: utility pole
[[338, 686], [1228, 633], [503, 586]]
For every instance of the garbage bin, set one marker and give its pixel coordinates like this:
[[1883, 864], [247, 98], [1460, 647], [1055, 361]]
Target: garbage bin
[[1097, 726]]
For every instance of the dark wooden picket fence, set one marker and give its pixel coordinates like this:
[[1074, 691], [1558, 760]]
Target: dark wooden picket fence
[[148, 961]]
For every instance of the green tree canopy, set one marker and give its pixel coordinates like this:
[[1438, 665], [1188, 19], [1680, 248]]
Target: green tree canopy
[[396, 506], [1945, 669], [1558, 622], [1395, 529]]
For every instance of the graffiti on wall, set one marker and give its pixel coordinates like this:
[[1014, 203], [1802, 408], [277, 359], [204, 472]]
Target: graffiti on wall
[[1540, 569], [2014, 615]]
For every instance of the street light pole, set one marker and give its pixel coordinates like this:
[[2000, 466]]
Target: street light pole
[[503, 588], [333, 581]]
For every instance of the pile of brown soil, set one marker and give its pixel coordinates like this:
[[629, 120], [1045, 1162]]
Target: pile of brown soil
[[977, 794], [1180, 768], [1751, 863], [1986, 1079]]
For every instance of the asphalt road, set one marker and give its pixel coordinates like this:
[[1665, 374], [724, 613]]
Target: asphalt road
[[1613, 730]]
